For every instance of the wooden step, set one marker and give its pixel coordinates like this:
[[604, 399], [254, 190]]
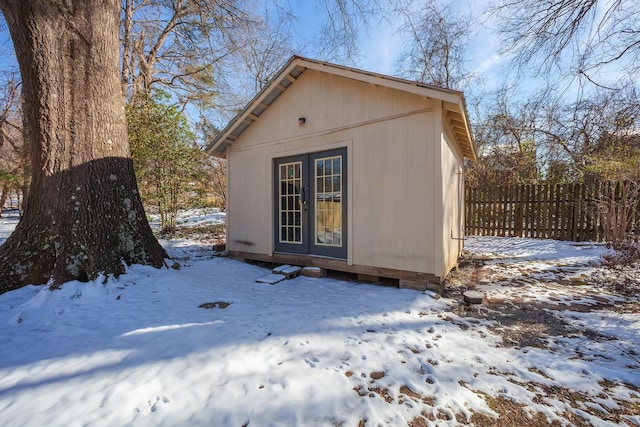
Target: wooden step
[[289, 271], [314, 272], [271, 279]]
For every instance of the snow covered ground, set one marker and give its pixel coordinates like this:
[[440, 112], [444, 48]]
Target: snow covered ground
[[141, 351]]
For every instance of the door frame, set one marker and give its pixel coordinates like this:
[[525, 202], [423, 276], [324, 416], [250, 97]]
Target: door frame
[[294, 202], [309, 246]]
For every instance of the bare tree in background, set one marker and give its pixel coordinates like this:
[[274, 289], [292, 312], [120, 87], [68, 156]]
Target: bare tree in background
[[578, 132], [566, 139], [507, 142], [268, 40], [14, 152], [177, 45], [217, 174], [265, 47], [438, 36], [576, 37], [261, 50], [344, 23]]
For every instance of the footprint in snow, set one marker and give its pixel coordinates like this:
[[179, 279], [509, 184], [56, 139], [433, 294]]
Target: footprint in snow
[[430, 379], [154, 404], [427, 368], [311, 361]]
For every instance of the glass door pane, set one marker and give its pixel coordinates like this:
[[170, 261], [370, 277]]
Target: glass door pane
[[328, 199], [290, 203]]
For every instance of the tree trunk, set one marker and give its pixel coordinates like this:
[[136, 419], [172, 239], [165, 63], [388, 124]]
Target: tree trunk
[[3, 197], [84, 215], [25, 182]]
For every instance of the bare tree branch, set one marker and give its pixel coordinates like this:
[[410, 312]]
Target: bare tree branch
[[436, 50], [571, 36]]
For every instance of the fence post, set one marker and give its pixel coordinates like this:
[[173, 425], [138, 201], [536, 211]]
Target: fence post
[[545, 211], [517, 225]]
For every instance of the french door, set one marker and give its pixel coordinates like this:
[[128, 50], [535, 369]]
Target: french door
[[310, 202]]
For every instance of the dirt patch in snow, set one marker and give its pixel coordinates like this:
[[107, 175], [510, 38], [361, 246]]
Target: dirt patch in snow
[[519, 318], [532, 304]]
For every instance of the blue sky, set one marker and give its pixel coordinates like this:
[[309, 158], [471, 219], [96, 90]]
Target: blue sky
[[381, 46], [380, 49], [7, 57]]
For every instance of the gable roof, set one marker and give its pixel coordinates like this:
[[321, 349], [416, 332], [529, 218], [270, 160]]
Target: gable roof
[[455, 110]]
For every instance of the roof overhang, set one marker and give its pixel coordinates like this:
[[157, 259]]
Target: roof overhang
[[455, 112]]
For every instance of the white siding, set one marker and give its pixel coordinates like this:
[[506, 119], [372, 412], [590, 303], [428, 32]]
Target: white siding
[[395, 154], [452, 202]]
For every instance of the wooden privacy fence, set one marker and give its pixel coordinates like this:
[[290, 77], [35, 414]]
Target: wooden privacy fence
[[561, 211]]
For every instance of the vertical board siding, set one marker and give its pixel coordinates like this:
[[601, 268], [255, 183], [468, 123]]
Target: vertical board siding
[[546, 211]]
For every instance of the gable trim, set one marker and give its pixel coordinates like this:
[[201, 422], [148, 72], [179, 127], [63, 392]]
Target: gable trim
[[454, 108]]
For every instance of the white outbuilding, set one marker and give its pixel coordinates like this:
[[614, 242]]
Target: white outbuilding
[[348, 170]]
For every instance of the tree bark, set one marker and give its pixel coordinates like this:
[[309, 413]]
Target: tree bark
[[127, 47], [3, 197], [84, 216]]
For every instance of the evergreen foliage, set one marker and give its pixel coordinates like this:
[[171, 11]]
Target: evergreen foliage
[[168, 163]]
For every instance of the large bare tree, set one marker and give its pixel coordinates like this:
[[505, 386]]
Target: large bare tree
[[84, 217]]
